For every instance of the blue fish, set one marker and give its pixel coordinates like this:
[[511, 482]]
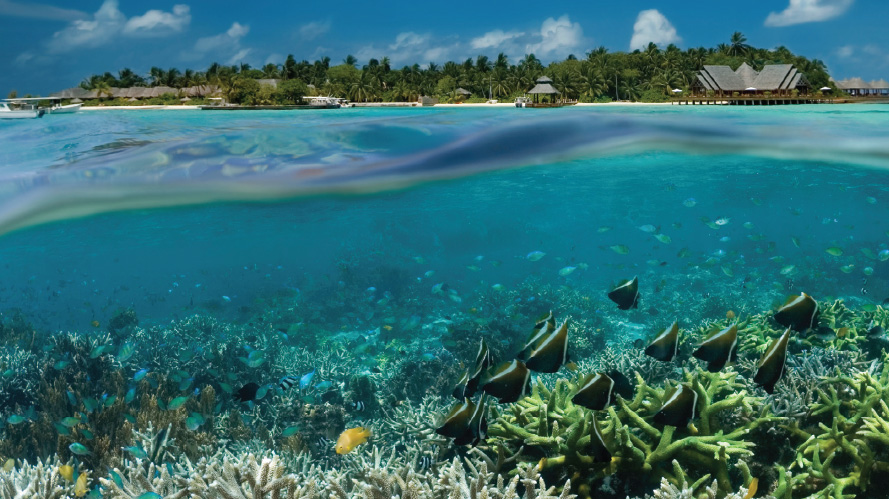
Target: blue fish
[[71, 398], [306, 380], [126, 351], [131, 394], [141, 373], [79, 449]]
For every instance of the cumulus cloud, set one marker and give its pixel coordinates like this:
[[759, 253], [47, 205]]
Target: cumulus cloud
[[557, 37], [314, 29], [845, 51], [39, 11], [159, 23], [652, 27], [808, 11], [108, 23], [226, 44], [495, 39], [409, 47]]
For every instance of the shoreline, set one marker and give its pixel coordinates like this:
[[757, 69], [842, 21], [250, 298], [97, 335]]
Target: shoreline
[[465, 105]]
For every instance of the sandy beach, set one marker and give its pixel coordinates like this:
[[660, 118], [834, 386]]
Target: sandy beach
[[464, 105]]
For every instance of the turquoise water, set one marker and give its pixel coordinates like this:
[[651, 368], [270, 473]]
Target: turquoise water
[[351, 220]]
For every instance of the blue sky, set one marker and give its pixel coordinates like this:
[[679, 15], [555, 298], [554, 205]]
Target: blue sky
[[54, 45]]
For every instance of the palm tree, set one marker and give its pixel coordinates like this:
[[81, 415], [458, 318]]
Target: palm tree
[[738, 44], [364, 88], [271, 71], [350, 60]]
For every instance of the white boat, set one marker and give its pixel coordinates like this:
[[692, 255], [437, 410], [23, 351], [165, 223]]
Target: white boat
[[69, 109], [7, 112], [522, 101], [327, 102]]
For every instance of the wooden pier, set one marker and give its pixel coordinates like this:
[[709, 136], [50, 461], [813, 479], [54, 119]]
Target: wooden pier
[[749, 101]]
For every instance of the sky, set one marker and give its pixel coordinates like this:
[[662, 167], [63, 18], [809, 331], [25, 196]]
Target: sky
[[55, 45]]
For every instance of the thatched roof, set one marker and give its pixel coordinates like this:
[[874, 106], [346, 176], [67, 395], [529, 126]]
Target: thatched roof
[[544, 79], [879, 84], [463, 91], [268, 81], [773, 77], [543, 88], [72, 93], [747, 74], [859, 84]]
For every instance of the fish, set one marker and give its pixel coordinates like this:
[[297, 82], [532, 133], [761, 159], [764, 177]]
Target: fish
[[550, 352], [509, 382], [287, 382], [176, 403], [771, 366], [544, 326], [626, 294], [290, 431], [141, 373], [80, 485], [722, 221], [477, 429], [351, 438], [663, 238], [425, 463], [566, 271], [679, 409], [598, 450], [357, 406], [798, 313], [875, 331], [719, 348], [94, 323], [9, 465], [130, 395], [126, 351], [98, 351], [468, 384], [15, 419], [247, 392], [883, 255], [620, 249], [79, 449], [594, 392], [306, 380], [149, 495], [456, 421], [324, 442], [834, 251], [67, 472], [135, 451], [70, 422], [194, 421], [498, 287], [690, 203], [751, 489], [665, 344], [535, 256], [648, 228]]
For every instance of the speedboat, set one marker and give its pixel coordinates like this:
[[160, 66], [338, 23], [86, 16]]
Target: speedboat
[[69, 109], [7, 112], [522, 101]]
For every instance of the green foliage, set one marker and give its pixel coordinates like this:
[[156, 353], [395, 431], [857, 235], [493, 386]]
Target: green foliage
[[12, 94], [653, 95], [291, 91], [244, 90]]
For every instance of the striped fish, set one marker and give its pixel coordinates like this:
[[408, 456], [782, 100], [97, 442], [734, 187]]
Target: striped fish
[[719, 348], [770, 368], [288, 382], [666, 344]]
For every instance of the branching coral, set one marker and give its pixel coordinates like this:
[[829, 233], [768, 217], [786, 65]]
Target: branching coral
[[39, 481]]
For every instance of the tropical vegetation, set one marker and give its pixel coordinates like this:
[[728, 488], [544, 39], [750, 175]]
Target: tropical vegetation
[[642, 75]]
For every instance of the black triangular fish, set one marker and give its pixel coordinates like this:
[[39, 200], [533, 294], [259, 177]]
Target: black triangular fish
[[719, 348], [468, 384], [595, 392], [550, 352], [287, 382], [679, 408], [548, 319], [541, 329], [477, 428], [508, 382], [626, 294], [598, 450], [798, 313], [457, 420], [771, 366], [665, 344], [246, 393], [622, 385]]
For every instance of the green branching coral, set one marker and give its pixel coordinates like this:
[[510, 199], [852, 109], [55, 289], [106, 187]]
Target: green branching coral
[[844, 445], [557, 432]]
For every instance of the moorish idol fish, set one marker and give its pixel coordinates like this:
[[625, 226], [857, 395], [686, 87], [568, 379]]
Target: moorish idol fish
[[477, 429], [771, 366], [626, 294], [457, 419], [665, 344], [468, 384], [679, 409], [798, 313], [508, 382], [550, 352], [719, 348]]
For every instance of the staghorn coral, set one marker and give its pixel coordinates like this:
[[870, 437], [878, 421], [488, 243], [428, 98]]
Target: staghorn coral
[[38, 481], [557, 432]]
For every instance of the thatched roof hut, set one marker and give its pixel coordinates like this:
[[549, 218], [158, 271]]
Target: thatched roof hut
[[463, 91], [776, 78], [857, 86], [544, 87]]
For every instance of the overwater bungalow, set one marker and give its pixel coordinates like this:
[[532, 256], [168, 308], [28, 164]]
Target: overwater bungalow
[[860, 88], [776, 79], [544, 94]]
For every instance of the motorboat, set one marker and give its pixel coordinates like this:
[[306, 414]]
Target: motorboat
[[55, 104], [522, 101], [19, 112], [66, 109]]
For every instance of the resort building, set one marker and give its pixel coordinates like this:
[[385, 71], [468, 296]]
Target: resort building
[[861, 88], [138, 93], [777, 79]]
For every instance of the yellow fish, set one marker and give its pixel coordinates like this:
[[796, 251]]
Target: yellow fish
[[67, 472], [387, 327], [351, 438], [95, 323], [9, 465], [80, 487], [751, 491]]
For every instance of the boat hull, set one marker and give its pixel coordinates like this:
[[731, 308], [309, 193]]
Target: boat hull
[[69, 109], [20, 115]]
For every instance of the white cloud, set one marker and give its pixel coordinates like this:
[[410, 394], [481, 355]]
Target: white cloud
[[224, 45], [408, 48], [314, 29], [39, 11], [652, 27], [557, 37], [109, 23], [845, 51], [159, 23], [495, 39], [808, 11]]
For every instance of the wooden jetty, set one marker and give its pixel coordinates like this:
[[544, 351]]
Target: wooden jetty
[[749, 101]]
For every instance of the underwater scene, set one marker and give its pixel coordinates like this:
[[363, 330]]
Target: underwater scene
[[631, 302]]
